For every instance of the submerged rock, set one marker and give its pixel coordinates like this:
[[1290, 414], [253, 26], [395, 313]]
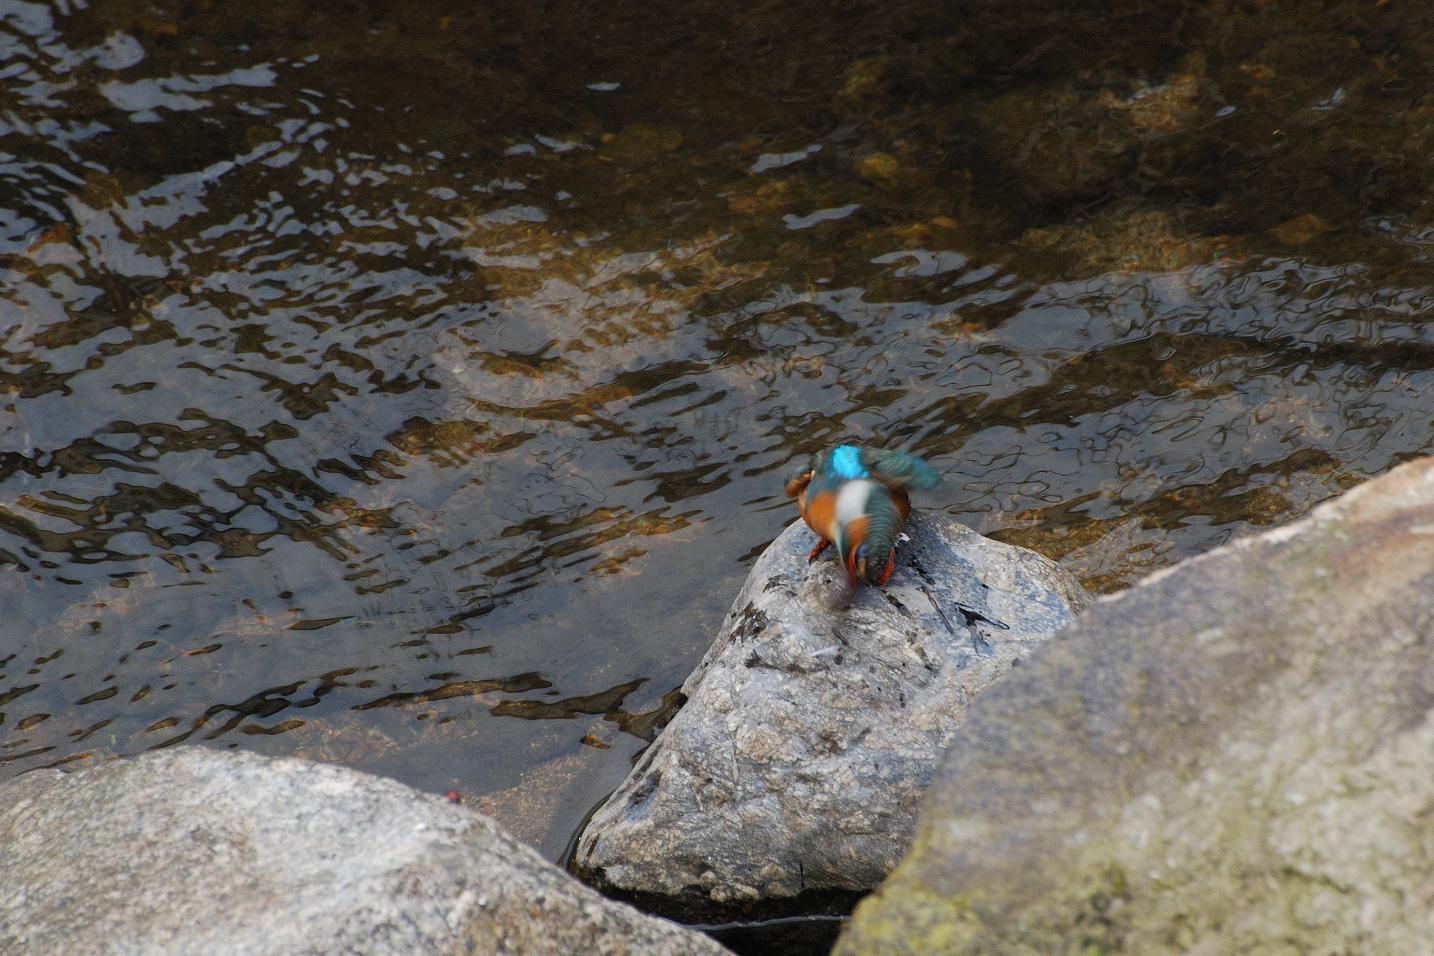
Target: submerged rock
[[811, 728], [190, 850], [1234, 756]]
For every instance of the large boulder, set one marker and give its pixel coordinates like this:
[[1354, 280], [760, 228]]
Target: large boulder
[[811, 728], [1234, 756], [197, 851]]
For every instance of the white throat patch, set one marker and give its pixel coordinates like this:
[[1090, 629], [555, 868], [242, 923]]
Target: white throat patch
[[852, 499]]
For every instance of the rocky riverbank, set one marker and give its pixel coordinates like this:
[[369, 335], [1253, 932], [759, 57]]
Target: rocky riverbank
[[790, 779], [190, 850], [1234, 756]]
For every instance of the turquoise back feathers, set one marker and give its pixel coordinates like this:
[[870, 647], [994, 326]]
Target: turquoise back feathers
[[898, 470], [895, 469]]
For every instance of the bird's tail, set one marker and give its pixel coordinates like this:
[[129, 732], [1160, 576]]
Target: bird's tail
[[883, 525], [898, 470]]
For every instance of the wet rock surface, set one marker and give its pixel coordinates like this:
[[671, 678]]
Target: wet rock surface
[[791, 777], [190, 850], [1234, 756]]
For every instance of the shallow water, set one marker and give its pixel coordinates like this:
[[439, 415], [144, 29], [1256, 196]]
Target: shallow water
[[412, 388]]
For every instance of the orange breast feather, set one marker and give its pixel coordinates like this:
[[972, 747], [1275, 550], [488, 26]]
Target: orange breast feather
[[856, 533], [819, 511]]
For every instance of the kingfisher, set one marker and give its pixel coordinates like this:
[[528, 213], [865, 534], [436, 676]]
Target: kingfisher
[[856, 498]]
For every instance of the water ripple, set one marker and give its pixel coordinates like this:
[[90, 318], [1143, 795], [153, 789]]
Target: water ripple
[[399, 394]]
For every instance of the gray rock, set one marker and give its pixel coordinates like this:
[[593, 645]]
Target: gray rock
[[810, 730], [189, 851], [1234, 756]]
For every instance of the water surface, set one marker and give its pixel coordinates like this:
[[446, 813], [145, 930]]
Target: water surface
[[412, 388]]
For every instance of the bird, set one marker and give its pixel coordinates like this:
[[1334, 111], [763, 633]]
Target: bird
[[856, 498]]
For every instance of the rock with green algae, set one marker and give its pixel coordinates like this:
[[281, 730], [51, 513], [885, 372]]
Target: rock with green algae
[[1234, 756]]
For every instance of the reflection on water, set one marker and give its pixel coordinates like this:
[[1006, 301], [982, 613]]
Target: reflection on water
[[371, 379]]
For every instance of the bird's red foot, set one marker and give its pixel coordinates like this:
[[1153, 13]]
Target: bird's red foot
[[821, 546], [886, 571]]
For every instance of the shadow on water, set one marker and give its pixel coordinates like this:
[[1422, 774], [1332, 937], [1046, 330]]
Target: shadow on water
[[779, 937], [372, 377]]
